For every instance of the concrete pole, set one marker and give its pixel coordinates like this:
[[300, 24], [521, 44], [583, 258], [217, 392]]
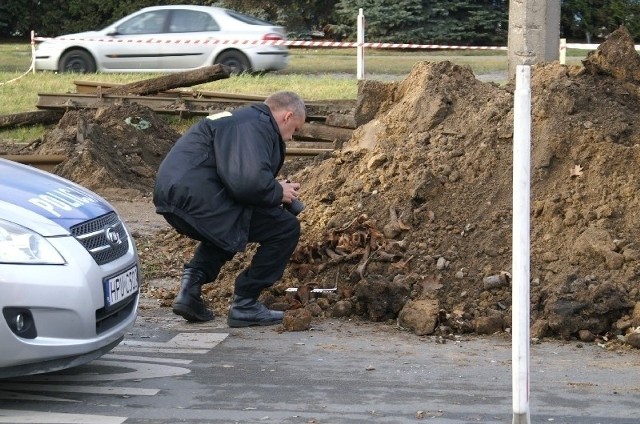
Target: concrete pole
[[534, 32]]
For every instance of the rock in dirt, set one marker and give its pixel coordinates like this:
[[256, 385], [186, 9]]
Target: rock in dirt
[[635, 315], [380, 299], [420, 316], [342, 309], [633, 339], [297, 320], [489, 325]]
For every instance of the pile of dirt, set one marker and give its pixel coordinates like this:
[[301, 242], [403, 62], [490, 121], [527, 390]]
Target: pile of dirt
[[113, 150], [430, 180], [414, 212]]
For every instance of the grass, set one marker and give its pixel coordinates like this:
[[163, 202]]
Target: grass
[[316, 74]]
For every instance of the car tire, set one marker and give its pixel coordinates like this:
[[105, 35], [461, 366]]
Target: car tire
[[79, 61], [236, 60]]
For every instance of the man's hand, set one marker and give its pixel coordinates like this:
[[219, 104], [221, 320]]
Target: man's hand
[[289, 191]]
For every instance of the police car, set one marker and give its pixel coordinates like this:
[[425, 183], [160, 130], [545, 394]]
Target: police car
[[69, 273]]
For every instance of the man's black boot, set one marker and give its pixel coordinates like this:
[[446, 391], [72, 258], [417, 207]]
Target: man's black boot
[[189, 303], [246, 311]]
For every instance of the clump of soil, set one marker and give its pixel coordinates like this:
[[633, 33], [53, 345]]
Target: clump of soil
[[417, 205]]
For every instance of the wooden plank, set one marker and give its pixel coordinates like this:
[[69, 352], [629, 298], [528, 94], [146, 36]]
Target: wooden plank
[[16, 120], [298, 144], [306, 152], [49, 162], [45, 162], [182, 106], [166, 105], [316, 131], [91, 87], [167, 82]]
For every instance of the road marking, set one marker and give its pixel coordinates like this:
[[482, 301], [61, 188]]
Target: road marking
[[160, 350], [139, 370], [182, 340], [147, 359], [201, 340], [116, 391], [10, 416], [103, 369], [8, 395]]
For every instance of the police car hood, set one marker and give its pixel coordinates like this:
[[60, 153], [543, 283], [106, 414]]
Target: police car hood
[[43, 202]]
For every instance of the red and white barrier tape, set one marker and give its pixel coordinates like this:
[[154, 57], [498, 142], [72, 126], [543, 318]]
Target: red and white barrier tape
[[580, 46], [301, 43], [291, 43]]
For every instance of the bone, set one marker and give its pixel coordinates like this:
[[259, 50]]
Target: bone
[[395, 226], [365, 260], [402, 244]]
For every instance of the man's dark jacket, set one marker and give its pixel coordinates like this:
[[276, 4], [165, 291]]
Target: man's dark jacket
[[221, 169]]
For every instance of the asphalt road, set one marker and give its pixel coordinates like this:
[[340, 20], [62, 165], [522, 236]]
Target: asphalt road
[[169, 371]]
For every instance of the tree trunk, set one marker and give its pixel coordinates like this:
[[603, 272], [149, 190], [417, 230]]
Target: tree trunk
[[587, 35], [30, 118], [167, 82]]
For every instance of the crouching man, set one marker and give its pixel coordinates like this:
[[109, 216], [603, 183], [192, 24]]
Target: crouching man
[[218, 185]]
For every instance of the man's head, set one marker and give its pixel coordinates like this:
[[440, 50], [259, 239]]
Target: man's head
[[289, 111]]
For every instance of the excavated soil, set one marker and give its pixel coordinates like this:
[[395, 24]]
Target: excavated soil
[[417, 206]]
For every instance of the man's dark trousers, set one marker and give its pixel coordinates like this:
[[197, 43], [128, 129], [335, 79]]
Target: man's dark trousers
[[277, 232]]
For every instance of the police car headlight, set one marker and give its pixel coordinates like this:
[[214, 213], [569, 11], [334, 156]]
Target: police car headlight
[[19, 245]]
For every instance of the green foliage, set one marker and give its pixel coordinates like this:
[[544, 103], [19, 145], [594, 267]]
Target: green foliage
[[297, 16], [56, 17], [482, 22], [270, 11], [17, 17], [585, 20], [400, 20], [627, 13], [474, 22]]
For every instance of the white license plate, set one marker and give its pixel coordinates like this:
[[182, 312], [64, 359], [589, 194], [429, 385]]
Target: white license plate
[[121, 286]]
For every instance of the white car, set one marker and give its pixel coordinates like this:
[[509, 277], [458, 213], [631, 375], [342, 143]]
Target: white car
[[169, 39], [69, 273]]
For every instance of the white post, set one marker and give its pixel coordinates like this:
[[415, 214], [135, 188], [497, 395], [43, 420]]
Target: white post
[[360, 46], [563, 51], [33, 51], [520, 243]]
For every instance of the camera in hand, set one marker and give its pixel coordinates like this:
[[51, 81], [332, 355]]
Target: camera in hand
[[295, 207]]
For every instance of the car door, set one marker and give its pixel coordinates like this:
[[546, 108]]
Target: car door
[[191, 33], [136, 44]]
